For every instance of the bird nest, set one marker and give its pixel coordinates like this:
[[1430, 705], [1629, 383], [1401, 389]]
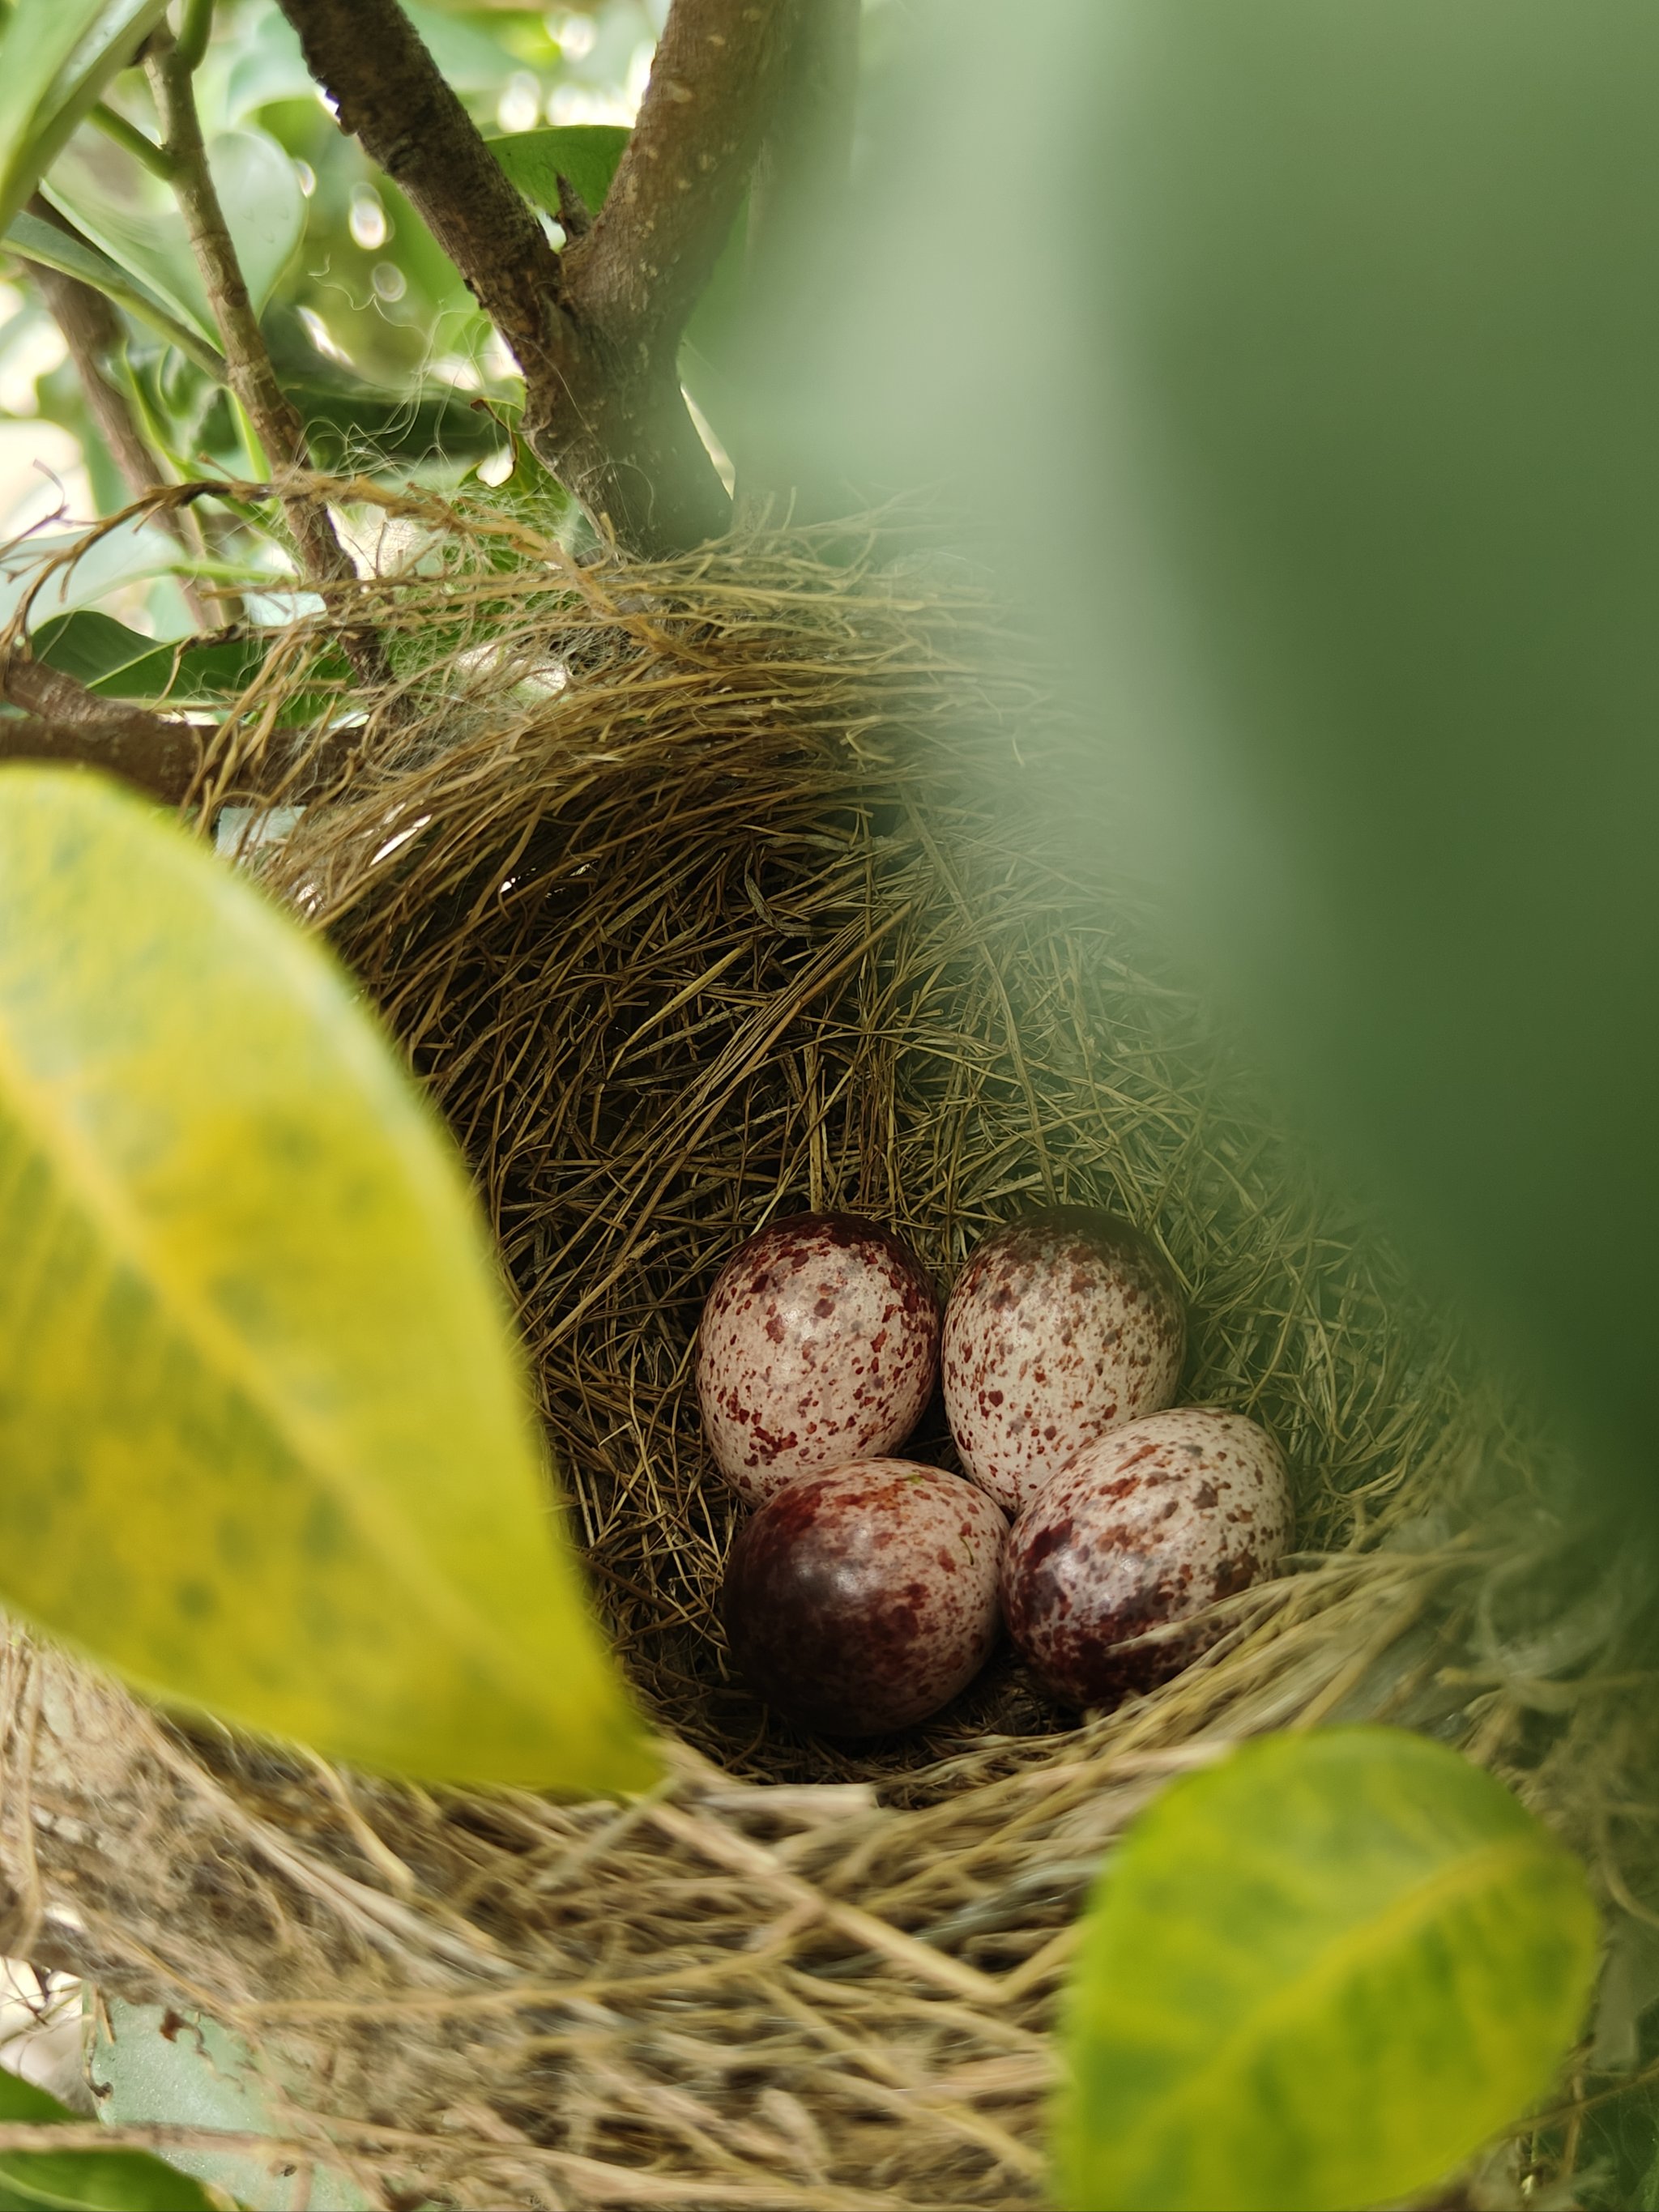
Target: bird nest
[[696, 894]]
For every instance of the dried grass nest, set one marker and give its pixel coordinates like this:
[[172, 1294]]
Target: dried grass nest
[[694, 893]]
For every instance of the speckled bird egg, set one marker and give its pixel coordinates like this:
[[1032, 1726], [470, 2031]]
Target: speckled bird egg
[[862, 1599], [819, 1344], [1145, 1528], [1061, 1327]]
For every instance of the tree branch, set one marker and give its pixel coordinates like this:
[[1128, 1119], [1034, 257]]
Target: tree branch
[[595, 330], [686, 166], [388, 92], [64, 722], [160, 756], [277, 421]]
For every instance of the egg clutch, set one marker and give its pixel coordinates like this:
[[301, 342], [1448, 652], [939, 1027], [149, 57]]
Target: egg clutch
[[1094, 1516]]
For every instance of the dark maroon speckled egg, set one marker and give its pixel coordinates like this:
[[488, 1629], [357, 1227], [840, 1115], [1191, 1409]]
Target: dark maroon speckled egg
[[1143, 1530], [1062, 1327], [819, 1344], [862, 1599]]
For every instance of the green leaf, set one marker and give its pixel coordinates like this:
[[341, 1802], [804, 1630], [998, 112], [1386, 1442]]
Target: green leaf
[[586, 153], [132, 218], [38, 240], [268, 1444], [148, 2065], [84, 2180], [56, 57], [269, 66], [264, 208], [1316, 1976], [119, 663]]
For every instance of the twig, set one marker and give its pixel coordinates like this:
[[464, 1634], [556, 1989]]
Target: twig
[[276, 420], [162, 764], [595, 330]]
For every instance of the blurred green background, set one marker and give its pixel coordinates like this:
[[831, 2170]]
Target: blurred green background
[[1298, 365]]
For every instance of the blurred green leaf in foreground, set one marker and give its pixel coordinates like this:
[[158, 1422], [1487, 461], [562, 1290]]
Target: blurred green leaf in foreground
[[1317, 1976], [1307, 397], [268, 1441]]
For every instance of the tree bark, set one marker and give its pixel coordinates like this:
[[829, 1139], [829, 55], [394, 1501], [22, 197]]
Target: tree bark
[[63, 721], [595, 329]]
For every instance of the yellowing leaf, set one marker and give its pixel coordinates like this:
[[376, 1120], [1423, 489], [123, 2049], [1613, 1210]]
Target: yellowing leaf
[[265, 1443], [1315, 1977]]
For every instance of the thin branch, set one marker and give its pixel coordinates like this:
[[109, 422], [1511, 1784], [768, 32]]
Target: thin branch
[[157, 754], [162, 769], [64, 722], [276, 420], [116, 126], [93, 332], [594, 330]]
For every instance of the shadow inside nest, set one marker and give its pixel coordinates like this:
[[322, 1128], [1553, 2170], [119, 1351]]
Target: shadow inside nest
[[701, 898]]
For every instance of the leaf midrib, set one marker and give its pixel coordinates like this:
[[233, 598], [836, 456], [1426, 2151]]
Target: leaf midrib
[[89, 1190], [1406, 1910]]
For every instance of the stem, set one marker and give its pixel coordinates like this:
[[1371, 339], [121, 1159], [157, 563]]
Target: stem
[[63, 720], [277, 422], [194, 31], [116, 126]]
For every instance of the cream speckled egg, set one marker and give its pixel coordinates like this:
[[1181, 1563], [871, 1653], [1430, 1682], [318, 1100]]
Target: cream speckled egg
[[1143, 1530], [1062, 1327], [863, 1598], [819, 1344]]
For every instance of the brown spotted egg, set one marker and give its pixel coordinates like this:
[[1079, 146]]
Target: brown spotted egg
[[819, 1344], [1061, 1327], [1144, 1529], [862, 1599]]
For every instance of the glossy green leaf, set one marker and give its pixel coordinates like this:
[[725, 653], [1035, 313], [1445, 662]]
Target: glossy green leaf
[[84, 2180], [1315, 1977], [132, 217], [268, 1445], [586, 153], [119, 663], [38, 241], [56, 57]]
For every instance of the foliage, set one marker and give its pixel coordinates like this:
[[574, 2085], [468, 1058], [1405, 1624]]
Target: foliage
[[84, 2180], [1328, 1970], [1317, 1976], [268, 1449], [187, 2070], [375, 336], [60, 56]]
